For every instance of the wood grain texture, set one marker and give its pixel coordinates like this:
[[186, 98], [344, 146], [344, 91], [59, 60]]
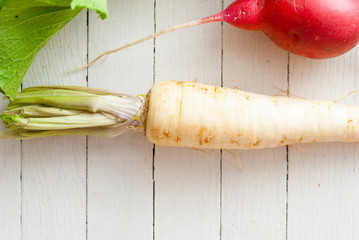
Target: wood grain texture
[[10, 186], [120, 184], [54, 169], [253, 197], [187, 192], [123, 188], [323, 179]]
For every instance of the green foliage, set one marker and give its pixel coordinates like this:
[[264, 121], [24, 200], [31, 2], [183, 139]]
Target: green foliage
[[99, 6], [26, 26], [2, 2], [10, 119], [60, 111]]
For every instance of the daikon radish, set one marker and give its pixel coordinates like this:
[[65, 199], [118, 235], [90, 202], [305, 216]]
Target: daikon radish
[[181, 114]]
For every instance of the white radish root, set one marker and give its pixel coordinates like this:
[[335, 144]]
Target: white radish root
[[188, 114], [181, 114]]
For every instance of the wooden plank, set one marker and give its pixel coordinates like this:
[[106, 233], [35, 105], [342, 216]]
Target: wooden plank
[[253, 197], [120, 188], [323, 188], [356, 195], [54, 169], [187, 181], [10, 186]]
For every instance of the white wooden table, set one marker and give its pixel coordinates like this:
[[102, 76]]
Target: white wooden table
[[79, 188]]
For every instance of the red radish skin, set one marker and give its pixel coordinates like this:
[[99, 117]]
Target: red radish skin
[[317, 29]]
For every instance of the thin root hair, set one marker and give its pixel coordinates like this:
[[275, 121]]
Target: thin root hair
[[149, 37], [350, 93]]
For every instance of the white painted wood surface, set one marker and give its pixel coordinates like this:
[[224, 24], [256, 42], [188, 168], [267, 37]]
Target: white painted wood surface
[[120, 187], [254, 197], [323, 179], [53, 187], [126, 188], [10, 187], [187, 181]]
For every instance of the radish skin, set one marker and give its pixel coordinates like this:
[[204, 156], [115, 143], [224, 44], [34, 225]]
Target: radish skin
[[188, 114], [317, 29]]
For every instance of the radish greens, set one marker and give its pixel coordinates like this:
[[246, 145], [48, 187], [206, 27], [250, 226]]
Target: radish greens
[[26, 26]]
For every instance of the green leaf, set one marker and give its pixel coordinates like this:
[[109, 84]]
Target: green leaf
[[2, 2], [10, 119], [99, 6], [25, 27]]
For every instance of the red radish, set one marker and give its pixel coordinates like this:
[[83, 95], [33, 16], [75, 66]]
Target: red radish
[[316, 29]]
